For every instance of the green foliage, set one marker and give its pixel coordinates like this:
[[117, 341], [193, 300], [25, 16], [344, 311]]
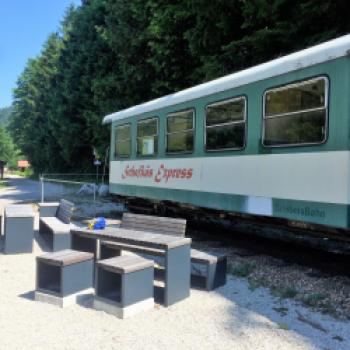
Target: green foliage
[[315, 299], [111, 54], [285, 292], [27, 173], [283, 311], [8, 151], [282, 325], [243, 269], [5, 114]]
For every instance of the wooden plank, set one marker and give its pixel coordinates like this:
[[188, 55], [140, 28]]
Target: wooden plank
[[204, 257], [125, 264], [154, 224], [153, 228], [147, 239], [157, 218], [65, 257], [55, 225], [133, 248]]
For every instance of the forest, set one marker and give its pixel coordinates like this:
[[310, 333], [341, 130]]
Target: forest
[[111, 54], [8, 152]]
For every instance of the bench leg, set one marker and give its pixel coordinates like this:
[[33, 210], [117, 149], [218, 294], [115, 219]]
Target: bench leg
[[61, 241], [46, 233], [83, 244], [216, 274], [177, 274], [107, 252]]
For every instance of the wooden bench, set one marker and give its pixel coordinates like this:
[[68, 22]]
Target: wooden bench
[[207, 270], [54, 222]]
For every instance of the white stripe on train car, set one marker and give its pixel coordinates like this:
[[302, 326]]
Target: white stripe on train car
[[314, 176]]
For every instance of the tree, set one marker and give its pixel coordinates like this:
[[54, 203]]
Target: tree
[[29, 125], [5, 115], [8, 151]]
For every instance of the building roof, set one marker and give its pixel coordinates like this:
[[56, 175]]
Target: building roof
[[23, 164], [317, 54]]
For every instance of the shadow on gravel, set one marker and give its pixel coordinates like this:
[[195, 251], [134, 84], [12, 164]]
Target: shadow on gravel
[[257, 309], [28, 295]]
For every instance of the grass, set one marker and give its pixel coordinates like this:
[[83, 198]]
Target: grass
[[253, 285], [282, 325], [283, 311], [27, 173], [338, 337], [314, 300], [242, 270], [3, 183], [285, 292], [320, 301]]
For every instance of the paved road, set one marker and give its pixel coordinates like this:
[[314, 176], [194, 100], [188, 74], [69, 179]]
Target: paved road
[[22, 190], [19, 190]]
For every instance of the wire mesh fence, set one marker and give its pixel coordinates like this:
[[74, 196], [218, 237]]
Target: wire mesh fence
[[88, 193]]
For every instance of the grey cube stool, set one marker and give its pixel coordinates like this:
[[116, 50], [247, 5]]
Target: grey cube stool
[[208, 270], [64, 277], [18, 228], [124, 285]]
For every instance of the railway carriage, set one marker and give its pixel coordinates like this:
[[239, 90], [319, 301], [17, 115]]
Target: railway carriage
[[272, 140]]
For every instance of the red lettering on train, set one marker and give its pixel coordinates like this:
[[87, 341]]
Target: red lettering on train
[[161, 174]]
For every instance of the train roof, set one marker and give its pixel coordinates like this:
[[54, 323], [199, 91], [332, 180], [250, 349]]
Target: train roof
[[316, 54]]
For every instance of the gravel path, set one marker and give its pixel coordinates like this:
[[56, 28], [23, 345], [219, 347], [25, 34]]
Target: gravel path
[[20, 189], [232, 317]]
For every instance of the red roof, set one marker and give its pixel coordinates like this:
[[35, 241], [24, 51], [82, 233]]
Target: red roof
[[23, 164]]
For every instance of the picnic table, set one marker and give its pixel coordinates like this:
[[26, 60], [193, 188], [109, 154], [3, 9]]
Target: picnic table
[[176, 251]]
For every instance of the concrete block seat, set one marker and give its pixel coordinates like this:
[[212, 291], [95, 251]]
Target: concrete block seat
[[64, 277], [18, 228], [54, 223], [124, 285], [208, 271]]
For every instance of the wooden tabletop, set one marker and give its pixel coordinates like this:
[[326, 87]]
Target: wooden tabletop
[[147, 239]]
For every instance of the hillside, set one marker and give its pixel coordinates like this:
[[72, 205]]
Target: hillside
[[5, 114]]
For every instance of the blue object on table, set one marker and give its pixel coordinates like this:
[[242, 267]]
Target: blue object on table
[[100, 223]]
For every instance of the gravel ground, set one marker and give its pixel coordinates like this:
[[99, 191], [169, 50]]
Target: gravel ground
[[309, 286], [232, 317]]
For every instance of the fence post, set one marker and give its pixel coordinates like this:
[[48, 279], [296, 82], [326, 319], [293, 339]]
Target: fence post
[[95, 200], [42, 188]]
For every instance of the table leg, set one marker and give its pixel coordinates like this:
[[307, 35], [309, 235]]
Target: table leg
[[177, 274]]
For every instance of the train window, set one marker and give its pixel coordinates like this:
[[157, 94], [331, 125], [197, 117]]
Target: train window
[[180, 131], [225, 123], [296, 114], [147, 137], [123, 140]]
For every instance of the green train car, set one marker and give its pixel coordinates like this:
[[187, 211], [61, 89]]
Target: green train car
[[271, 140]]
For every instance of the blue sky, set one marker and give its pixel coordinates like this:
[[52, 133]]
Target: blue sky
[[24, 27]]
